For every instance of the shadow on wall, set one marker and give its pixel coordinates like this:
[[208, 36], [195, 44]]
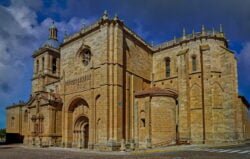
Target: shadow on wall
[[14, 138]]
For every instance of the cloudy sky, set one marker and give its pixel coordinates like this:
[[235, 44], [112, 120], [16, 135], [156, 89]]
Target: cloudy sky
[[24, 27]]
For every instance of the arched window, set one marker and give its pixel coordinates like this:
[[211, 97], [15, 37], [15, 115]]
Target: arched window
[[54, 65], [143, 123], [86, 56], [142, 119], [167, 66], [194, 63], [37, 66]]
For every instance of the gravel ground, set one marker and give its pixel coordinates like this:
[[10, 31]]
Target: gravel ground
[[21, 152]]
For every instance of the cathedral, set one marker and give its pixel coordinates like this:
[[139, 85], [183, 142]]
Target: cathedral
[[105, 88]]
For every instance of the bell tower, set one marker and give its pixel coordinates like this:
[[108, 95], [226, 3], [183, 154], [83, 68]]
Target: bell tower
[[46, 62]]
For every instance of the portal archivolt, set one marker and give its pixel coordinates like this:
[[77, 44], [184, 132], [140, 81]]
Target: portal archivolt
[[78, 123], [81, 132]]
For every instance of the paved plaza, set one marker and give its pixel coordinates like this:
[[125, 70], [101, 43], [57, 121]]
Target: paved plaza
[[175, 152]]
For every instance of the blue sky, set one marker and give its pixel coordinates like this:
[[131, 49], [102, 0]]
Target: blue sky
[[24, 27]]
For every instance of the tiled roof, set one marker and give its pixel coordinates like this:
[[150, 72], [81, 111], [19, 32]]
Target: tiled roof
[[156, 91], [52, 43]]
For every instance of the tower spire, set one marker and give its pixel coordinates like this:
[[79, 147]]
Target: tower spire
[[221, 29], [213, 31], [184, 33], [203, 29], [53, 31], [116, 17], [174, 39], [105, 15]]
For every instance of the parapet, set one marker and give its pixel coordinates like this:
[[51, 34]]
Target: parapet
[[191, 37]]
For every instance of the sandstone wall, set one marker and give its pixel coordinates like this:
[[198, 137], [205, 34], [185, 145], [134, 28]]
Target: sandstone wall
[[120, 64], [163, 120], [14, 120], [213, 83]]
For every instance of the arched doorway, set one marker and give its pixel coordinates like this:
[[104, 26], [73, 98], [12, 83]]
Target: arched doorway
[[77, 124], [81, 132]]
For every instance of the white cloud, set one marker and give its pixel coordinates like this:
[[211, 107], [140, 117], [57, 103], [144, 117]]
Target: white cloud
[[243, 62], [25, 17], [140, 30], [243, 71], [20, 35]]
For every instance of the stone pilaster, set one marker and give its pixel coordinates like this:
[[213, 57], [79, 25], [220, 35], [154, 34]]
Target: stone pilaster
[[184, 129]]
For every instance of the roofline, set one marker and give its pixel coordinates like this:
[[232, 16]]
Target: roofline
[[207, 34], [15, 106], [191, 37], [43, 49], [244, 100], [162, 92], [82, 32]]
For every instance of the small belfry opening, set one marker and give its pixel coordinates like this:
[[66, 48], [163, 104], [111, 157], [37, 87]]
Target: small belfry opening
[[37, 66], [54, 65]]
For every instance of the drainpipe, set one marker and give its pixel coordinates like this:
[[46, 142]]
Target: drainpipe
[[177, 122], [202, 94]]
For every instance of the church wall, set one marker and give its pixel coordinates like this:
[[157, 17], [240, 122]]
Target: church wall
[[95, 83], [44, 64], [138, 61], [181, 78], [69, 118], [14, 120], [138, 58], [14, 124], [120, 65], [116, 82], [163, 120], [49, 128], [247, 129], [141, 128], [32, 111], [25, 121], [184, 79], [243, 124], [154, 121], [228, 84]]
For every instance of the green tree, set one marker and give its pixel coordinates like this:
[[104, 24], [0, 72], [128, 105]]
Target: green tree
[[2, 133]]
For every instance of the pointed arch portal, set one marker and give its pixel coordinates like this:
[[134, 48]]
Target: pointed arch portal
[[78, 123], [81, 132]]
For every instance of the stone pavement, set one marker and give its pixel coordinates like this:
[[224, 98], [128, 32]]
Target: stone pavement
[[173, 152], [231, 151]]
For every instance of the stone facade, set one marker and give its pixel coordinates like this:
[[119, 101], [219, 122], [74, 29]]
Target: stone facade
[[105, 88]]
